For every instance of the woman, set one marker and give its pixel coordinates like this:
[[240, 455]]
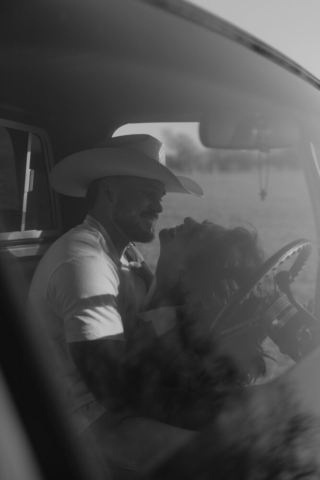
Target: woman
[[204, 261], [184, 376]]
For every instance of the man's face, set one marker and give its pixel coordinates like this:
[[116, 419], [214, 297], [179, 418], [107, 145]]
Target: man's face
[[137, 206]]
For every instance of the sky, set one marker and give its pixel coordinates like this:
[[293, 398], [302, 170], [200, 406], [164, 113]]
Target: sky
[[290, 26]]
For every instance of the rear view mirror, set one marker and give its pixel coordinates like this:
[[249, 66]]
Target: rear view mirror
[[254, 132]]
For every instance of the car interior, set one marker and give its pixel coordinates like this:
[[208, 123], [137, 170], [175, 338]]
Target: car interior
[[76, 71]]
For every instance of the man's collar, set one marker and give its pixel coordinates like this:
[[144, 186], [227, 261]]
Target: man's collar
[[92, 222], [97, 225]]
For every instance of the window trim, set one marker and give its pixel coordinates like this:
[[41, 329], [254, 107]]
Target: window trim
[[49, 161]]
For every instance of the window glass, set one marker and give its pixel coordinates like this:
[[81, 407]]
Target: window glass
[[25, 199], [39, 209], [13, 154], [265, 190]]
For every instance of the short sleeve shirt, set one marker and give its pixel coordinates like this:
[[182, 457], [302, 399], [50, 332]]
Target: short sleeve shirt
[[82, 291]]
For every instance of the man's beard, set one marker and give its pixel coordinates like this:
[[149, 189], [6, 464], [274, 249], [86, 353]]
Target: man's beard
[[132, 229]]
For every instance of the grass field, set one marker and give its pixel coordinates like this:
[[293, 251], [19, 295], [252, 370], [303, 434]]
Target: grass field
[[233, 199]]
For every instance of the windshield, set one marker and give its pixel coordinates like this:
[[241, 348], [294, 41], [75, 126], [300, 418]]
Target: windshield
[[143, 315], [266, 191]]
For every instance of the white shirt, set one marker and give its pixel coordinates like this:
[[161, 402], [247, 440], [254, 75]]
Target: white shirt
[[82, 291]]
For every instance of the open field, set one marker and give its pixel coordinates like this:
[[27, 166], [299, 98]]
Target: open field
[[233, 199]]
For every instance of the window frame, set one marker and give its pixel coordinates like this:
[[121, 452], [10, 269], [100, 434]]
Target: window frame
[[34, 235]]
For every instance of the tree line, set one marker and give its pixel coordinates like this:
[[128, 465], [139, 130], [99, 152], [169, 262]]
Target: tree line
[[184, 155]]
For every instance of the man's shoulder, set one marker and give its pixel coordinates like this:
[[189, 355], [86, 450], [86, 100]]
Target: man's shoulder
[[83, 237], [71, 244], [78, 243]]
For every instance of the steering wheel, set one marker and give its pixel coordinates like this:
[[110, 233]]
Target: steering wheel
[[301, 249]]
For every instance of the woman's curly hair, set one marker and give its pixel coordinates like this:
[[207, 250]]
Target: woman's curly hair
[[224, 262], [184, 377]]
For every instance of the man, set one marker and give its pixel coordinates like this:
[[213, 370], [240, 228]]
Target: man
[[91, 283]]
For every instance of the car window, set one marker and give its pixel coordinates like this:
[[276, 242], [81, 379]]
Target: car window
[[14, 144], [242, 188], [26, 202]]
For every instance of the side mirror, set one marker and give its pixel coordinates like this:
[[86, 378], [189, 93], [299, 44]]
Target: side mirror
[[256, 132]]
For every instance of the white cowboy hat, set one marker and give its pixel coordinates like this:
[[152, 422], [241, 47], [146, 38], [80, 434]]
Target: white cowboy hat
[[127, 155]]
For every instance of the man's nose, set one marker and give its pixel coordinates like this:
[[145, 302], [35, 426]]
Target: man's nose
[[156, 206]]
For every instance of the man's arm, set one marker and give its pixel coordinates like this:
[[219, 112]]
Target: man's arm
[[126, 375], [101, 364], [84, 293]]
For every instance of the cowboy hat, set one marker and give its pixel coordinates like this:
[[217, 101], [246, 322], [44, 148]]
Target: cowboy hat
[[127, 155]]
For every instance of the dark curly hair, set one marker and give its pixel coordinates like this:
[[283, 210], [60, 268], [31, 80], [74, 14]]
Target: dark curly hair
[[224, 262], [184, 377]]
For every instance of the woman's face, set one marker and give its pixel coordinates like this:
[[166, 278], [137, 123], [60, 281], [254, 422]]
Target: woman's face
[[180, 243]]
